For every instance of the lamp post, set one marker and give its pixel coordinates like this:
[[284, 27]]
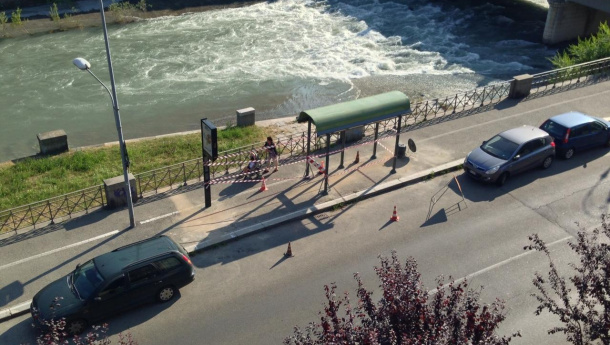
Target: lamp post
[[84, 65]]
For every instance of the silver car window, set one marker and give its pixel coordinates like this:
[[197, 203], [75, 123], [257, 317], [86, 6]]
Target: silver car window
[[500, 147]]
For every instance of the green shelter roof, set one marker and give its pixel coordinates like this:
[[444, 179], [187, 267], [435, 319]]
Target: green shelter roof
[[338, 117]]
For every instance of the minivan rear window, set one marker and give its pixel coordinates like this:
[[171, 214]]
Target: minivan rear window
[[553, 128]]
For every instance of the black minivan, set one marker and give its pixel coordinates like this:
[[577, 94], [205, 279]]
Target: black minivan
[[110, 283]]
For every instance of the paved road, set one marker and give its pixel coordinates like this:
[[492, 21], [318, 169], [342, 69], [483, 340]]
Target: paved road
[[242, 275], [246, 293]]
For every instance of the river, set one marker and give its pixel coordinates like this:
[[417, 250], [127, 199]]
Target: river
[[279, 57]]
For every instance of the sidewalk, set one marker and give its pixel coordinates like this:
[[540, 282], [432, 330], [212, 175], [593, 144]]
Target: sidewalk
[[240, 207]]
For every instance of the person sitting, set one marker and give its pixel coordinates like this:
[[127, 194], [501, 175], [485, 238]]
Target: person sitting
[[251, 167]]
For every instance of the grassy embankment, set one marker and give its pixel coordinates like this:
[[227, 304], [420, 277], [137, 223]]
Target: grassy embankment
[[39, 178]]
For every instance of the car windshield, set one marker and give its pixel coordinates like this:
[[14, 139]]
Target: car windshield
[[86, 279], [553, 128], [499, 147]]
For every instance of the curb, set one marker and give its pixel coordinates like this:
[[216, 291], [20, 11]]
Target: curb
[[18, 310], [326, 206], [24, 308]]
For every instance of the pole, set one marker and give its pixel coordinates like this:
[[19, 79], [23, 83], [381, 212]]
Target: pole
[[396, 146], [326, 170], [375, 142], [117, 120], [206, 179], [308, 147], [342, 148]]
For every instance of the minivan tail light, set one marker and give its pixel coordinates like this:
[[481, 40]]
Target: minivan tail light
[[186, 258], [565, 139]]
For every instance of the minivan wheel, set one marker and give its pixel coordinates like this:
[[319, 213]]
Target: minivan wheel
[[502, 179], [546, 163], [76, 327], [166, 294], [569, 153]]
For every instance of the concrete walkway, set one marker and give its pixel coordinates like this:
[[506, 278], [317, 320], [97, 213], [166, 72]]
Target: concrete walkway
[[240, 207]]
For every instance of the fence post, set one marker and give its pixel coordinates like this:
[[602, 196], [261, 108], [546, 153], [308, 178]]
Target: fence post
[[32, 216], [184, 174], [50, 212]]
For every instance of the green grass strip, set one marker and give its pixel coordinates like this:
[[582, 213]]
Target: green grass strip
[[38, 178]]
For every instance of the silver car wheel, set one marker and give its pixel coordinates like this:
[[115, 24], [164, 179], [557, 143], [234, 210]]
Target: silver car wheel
[[166, 294]]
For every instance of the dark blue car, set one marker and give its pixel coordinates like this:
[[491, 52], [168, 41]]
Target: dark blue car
[[576, 131]]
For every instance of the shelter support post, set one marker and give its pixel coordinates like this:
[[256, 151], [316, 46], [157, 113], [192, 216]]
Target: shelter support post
[[374, 156], [396, 146], [342, 149], [308, 147], [326, 170]]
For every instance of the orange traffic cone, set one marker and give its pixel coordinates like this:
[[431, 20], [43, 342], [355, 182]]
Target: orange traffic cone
[[357, 157], [288, 251], [264, 186], [394, 215], [321, 169]]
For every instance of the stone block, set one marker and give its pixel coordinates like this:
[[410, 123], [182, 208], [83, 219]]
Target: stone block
[[520, 86], [354, 134], [53, 142], [245, 117], [115, 191]]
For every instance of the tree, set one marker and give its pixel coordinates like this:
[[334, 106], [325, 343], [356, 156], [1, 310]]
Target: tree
[[53, 332], [585, 314], [406, 314]]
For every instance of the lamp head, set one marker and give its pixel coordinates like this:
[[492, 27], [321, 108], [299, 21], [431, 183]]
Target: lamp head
[[81, 63]]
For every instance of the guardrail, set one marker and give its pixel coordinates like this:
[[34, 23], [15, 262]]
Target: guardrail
[[53, 209], [233, 161], [570, 75]]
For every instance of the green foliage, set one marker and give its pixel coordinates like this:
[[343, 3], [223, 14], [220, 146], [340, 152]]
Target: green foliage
[[143, 6], [592, 48], [35, 179], [3, 20], [16, 17], [54, 13]]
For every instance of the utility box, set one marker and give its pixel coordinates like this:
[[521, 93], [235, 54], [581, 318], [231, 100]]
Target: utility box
[[53, 142], [116, 191], [401, 152], [245, 117]]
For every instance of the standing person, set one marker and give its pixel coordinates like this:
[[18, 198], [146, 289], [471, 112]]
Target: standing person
[[271, 154]]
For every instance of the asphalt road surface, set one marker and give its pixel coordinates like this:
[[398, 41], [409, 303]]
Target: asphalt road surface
[[246, 292]]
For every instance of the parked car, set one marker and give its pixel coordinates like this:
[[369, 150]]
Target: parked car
[[128, 276], [510, 152], [576, 131]]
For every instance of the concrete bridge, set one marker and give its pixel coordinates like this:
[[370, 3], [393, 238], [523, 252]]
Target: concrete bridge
[[569, 19]]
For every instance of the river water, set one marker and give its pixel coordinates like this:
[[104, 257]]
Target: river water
[[280, 57]]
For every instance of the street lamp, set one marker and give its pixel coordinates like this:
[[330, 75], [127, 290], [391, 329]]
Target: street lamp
[[84, 65]]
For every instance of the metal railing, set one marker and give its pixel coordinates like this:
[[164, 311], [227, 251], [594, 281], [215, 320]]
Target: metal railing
[[53, 209], [233, 161], [568, 76]]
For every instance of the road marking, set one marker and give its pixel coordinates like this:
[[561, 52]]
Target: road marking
[[511, 116], [161, 217], [59, 249], [501, 263]]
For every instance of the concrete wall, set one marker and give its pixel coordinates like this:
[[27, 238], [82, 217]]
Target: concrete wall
[[567, 21]]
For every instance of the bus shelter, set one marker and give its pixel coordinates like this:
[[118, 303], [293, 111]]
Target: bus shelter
[[347, 115]]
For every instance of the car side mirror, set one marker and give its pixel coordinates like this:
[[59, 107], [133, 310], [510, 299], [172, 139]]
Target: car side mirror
[[484, 141], [516, 158]]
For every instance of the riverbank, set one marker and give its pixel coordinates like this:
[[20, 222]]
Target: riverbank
[[32, 179], [82, 14]]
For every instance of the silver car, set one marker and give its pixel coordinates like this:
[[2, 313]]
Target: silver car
[[510, 152]]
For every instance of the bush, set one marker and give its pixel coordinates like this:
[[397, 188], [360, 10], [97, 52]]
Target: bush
[[406, 314], [593, 48]]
